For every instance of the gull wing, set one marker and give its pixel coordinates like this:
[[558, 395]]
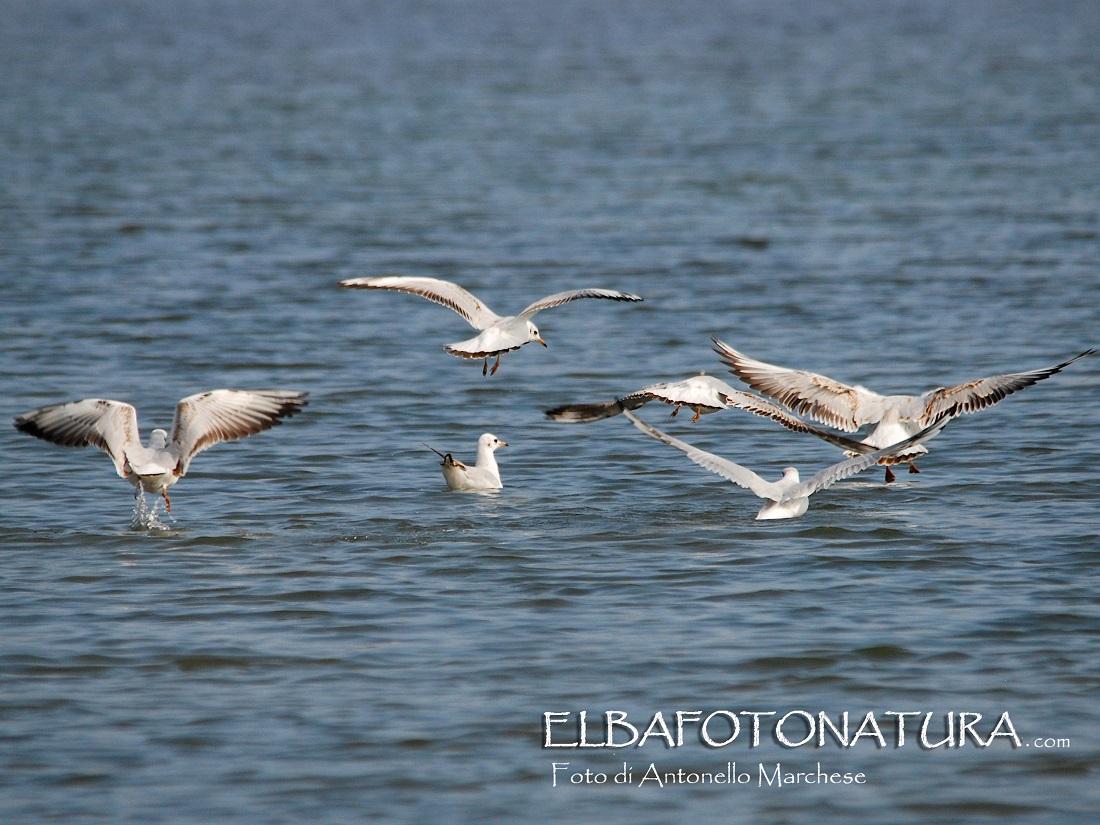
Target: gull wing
[[706, 394], [441, 292], [730, 471], [99, 422], [837, 472], [208, 418], [765, 408], [701, 392], [821, 398], [977, 395], [559, 298]]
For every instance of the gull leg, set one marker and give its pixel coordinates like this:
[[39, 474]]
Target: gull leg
[[675, 410], [889, 475], [167, 501], [698, 412], [485, 366], [496, 366], [913, 468]]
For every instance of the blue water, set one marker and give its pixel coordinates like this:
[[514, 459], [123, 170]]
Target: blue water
[[897, 194]]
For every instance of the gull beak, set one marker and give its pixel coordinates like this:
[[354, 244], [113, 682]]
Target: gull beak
[[503, 443], [541, 341]]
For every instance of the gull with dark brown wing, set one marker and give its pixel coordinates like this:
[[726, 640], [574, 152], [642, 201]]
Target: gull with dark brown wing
[[201, 421], [894, 417], [702, 394], [498, 333]]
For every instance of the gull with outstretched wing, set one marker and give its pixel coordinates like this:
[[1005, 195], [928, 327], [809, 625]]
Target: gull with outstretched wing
[[894, 417], [788, 497], [201, 421], [498, 334]]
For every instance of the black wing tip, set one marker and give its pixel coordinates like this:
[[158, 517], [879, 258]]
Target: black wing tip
[[31, 427], [569, 414]]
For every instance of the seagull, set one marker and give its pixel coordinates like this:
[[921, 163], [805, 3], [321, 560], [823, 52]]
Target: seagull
[[484, 475], [201, 421], [788, 497], [895, 417], [703, 394], [498, 333]]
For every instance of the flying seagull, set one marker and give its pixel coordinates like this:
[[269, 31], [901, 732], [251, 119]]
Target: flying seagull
[[201, 421], [788, 497], [484, 475], [702, 394], [895, 417], [498, 333]]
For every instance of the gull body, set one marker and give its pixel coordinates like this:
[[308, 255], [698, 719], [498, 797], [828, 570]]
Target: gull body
[[892, 418], [484, 475], [789, 497], [498, 334], [201, 421]]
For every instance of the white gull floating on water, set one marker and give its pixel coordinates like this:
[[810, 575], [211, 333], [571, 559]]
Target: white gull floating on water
[[499, 333], [788, 497], [895, 417], [484, 475], [201, 421]]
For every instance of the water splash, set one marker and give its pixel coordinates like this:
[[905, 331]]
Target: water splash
[[146, 517]]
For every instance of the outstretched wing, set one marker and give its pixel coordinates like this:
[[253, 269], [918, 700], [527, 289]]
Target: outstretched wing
[[763, 407], [559, 298], [700, 392], [99, 422], [831, 475], [821, 398], [441, 292], [730, 471], [977, 395], [705, 394], [208, 418]]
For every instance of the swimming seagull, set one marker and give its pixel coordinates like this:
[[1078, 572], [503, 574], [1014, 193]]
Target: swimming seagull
[[201, 421], [484, 475], [790, 496], [703, 394], [499, 333], [895, 417]]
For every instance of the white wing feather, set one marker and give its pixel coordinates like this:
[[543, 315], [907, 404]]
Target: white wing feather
[[806, 393], [208, 418], [441, 292], [730, 471], [100, 422], [559, 298]]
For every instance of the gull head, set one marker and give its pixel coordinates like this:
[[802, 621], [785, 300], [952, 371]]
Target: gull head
[[490, 442], [790, 474], [158, 440], [533, 333]]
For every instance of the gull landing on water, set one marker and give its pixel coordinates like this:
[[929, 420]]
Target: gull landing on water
[[484, 475], [499, 333], [895, 417], [790, 496], [201, 421]]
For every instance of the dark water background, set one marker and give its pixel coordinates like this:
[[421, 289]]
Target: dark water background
[[898, 194]]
